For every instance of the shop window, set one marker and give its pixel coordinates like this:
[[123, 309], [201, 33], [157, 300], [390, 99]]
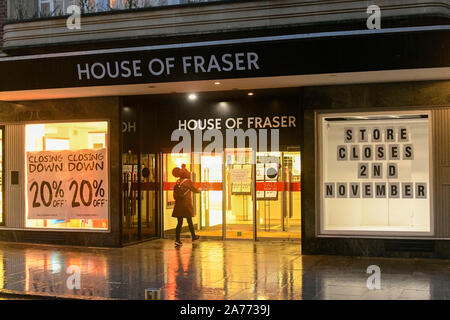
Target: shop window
[[46, 8], [375, 174], [67, 175], [50, 8], [2, 176]]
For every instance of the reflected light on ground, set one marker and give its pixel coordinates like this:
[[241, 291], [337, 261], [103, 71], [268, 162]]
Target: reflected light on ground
[[216, 270]]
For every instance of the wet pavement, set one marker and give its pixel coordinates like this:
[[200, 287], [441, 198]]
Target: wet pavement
[[214, 270]]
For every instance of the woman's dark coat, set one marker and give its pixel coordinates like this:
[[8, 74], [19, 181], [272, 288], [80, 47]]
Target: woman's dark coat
[[183, 206]]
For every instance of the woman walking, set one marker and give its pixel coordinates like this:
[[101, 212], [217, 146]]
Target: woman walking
[[183, 201]]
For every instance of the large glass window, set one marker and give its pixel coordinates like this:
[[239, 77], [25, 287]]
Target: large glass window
[[46, 8], [50, 8], [2, 188], [67, 175], [375, 173], [278, 194], [171, 161]]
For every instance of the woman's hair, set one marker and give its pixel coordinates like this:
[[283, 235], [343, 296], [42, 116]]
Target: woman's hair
[[177, 172], [185, 172], [181, 173]]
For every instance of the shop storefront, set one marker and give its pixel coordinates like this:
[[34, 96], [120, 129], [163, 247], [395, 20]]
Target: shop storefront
[[346, 168], [249, 190], [57, 167]]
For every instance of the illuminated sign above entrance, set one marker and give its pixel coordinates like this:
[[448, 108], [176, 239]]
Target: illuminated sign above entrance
[[274, 122]]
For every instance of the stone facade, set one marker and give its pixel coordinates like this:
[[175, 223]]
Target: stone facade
[[207, 18]]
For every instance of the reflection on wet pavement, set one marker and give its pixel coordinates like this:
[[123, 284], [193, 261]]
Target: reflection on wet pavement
[[215, 270]]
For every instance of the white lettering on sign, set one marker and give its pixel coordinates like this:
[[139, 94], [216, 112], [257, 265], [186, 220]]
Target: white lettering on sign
[[274, 122], [128, 127], [67, 184], [164, 66]]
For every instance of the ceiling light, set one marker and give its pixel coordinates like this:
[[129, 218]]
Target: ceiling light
[[192, 97], [251, 94]]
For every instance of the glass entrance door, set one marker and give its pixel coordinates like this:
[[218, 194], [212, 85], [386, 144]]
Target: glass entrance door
[[278, 195], [239, 190], [130, 204], [149, 196], [171, 161], [209, 203], [241, 197], [139, 197], [206, 173], [292, 194]]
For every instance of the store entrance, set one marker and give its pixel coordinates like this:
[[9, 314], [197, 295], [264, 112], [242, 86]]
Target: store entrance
[[209, 176], [206, 173], [245, 194], [278, 195], [240, 194], [140, 194]]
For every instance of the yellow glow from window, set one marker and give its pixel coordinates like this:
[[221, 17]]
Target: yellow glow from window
[[56, 144], [1, 176], [212, 172], [65, 136]]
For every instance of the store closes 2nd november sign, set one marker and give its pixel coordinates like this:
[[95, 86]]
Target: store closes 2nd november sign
[[67, 184], [376, 173]]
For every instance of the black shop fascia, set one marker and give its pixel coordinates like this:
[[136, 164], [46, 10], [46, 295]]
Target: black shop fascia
[[155, 118]]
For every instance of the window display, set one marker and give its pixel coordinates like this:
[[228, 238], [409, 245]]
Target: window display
[[267, 175], [67, 175], [2, 189], [375, 173]]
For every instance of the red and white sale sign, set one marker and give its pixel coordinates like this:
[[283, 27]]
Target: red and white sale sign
[[67, 184]]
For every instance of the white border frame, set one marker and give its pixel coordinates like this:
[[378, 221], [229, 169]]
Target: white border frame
[[318, 146]]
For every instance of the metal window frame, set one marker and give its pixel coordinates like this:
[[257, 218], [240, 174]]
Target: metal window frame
[[50, 2], [3, 175], [318, 146], [108, 152]]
